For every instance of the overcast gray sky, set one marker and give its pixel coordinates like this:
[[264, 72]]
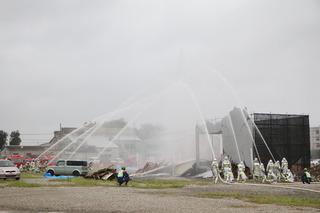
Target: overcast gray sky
[[70, 61]]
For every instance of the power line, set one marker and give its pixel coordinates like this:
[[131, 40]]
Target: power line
[[37, 134]]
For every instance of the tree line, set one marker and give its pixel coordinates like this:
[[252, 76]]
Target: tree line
[[13, 140]]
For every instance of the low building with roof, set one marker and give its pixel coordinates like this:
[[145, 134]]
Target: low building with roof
[[33, 151]]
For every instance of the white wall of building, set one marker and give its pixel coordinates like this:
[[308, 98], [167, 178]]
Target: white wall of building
[[315, 142]]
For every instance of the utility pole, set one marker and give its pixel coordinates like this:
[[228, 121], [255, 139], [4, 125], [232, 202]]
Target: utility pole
[[197, 139]]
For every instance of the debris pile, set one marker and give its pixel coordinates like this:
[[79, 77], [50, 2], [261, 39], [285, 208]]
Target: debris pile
[[191, 169], [148, 167], [315, 173], [181, 169], [108, 173]]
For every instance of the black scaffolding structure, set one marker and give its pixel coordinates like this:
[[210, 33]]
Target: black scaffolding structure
[[286, 136]]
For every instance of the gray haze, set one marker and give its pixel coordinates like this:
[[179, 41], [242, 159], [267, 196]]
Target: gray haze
[[70, 61]]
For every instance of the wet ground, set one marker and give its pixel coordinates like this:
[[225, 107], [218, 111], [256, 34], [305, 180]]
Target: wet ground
[[127, 199]]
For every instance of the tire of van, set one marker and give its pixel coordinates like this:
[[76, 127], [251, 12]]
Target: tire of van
[[51, 172], [17, 178], [76, 173]]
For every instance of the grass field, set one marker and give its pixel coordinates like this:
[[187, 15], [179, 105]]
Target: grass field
[[80, 181], [145, 184], [31, 175], [14, 183], [34, 180], [266, 199]]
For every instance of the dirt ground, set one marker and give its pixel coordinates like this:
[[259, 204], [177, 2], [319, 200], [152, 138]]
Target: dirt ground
[[127, 199]]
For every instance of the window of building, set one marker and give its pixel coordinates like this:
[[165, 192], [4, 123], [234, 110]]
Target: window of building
[[317, 131], [318, 145]]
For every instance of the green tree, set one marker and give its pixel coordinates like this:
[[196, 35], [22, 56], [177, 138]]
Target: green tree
[[3, 139], [119, 123], [147, 131], [15, 138]]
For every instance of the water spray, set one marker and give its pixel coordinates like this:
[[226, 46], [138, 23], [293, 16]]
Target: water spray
[[73, 142], [193, 97], [260, 134], [135, 117], [234, 135]]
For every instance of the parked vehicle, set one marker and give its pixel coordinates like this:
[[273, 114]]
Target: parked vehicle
[[9, 170], [69, 167], [18, 160]]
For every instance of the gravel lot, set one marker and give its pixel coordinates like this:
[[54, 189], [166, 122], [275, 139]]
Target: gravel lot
[[126, 199]]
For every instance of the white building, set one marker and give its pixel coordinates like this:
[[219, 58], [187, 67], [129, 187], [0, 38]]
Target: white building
[[315, 142]]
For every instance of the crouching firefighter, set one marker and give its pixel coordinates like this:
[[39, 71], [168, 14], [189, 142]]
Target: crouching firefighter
[[306, 177], [123, 176]]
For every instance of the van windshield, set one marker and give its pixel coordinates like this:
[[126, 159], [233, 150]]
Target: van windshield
[[60, 163]]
